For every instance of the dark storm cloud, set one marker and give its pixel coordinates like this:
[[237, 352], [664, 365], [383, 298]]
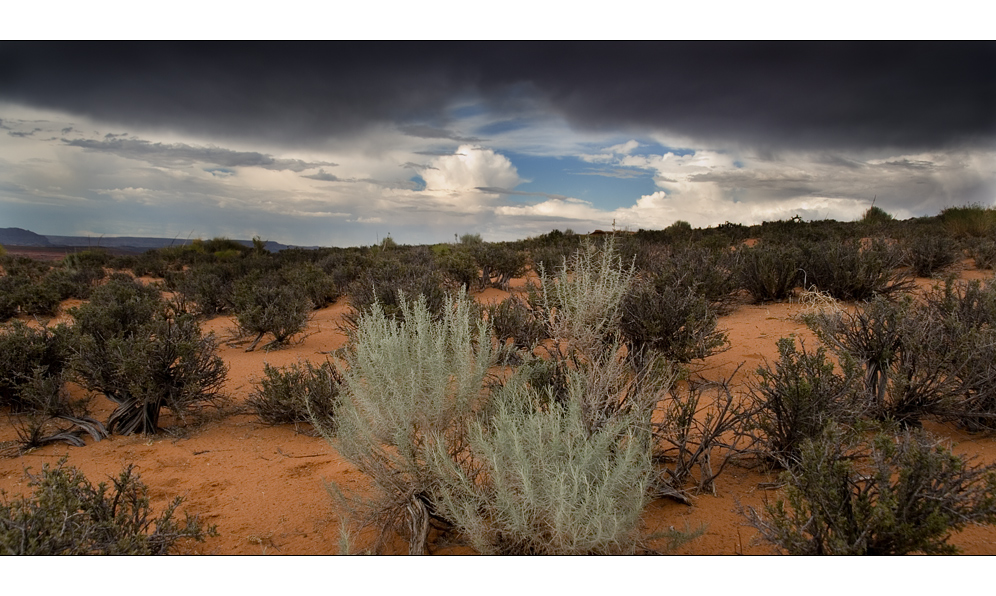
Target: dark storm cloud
[[844, 95], [174, 154]]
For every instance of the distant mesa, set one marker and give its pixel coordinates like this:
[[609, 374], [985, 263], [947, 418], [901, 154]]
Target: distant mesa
[[19, 237], [27, 238]]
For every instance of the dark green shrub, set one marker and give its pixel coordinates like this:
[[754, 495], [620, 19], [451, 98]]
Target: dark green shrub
[[19, 266], [8, 300], [117, 308], [87, 259], [928, 254], [264, 306], [672, 321], [412, 273], [691, 431], [875, 215], [27, 358], [969, 221], [909, 497], [457, 266], [513, 320], [152, 263], [67, 515], [499, 263], [210, 287], [967, 313], [37, 298], [297, 394], [905, 352], [797, 397], [132, 348], [984, 254], [703, 271], [768, 272], [847, 271], [75, 282], [550, 258], [164, 363], [316, 284]]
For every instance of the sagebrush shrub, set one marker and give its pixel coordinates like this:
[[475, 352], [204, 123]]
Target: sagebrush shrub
[[768, 272], [266, 305], [847, 271], [797, 397], [927, 254], [297, 393], [904, 351], [67, 515], [513, 320], [411, 385], [582, 300], [546, 484], [899, 495], [670, 320]]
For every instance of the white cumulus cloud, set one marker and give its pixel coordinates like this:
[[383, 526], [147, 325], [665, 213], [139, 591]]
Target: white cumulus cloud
[[470, 168]]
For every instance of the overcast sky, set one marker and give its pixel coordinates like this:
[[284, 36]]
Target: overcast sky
[[339, 144]]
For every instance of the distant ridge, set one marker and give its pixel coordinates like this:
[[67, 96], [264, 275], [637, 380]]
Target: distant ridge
[[21, 237]]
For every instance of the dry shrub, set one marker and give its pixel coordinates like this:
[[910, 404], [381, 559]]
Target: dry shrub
[[897, 495], [67, 515]]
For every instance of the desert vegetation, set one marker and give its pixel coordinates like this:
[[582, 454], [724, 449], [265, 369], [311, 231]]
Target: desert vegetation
[[604, 387]]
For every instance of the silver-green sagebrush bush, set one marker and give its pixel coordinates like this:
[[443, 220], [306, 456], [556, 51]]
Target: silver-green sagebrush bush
[[411, 386], [582, 300], [544, 482]]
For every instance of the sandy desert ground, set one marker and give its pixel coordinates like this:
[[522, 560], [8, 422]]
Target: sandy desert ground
[[263, 486]]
